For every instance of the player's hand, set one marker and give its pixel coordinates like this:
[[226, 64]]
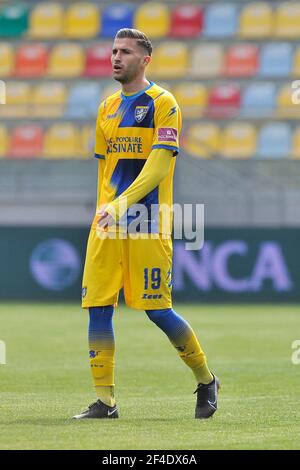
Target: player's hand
[[105, 220]]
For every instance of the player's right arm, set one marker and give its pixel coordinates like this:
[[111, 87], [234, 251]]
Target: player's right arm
[[100, 150], [153, 172]]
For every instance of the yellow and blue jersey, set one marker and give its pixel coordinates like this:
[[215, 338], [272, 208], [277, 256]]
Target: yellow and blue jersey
[[128, 128]]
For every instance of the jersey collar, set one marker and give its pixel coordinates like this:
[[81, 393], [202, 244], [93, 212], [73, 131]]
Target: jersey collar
[[135, 95]]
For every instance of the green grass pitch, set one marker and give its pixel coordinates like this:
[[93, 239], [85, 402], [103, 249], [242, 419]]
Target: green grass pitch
[[47, 379]]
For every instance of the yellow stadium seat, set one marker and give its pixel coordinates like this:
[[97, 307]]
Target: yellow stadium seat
[[192, 99], [207, 60], [87, 142], [46, 20], [153, 18], [295, 152], [4, 141], [7, 59], [256, 20], [82, 20], [203, 140], [287, 24], [66, 60], [285, 106], [48, 100], [18, 98], [238, 141], [169, 61], [61, 141]]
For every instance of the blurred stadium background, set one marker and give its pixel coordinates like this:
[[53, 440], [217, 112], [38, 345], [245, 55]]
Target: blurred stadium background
[[230, 65]]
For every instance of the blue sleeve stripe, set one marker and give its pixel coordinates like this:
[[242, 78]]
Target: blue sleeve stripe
[[97, 155], [168, 147]]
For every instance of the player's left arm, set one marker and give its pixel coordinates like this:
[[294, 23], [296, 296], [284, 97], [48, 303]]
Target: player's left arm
[[167, 118]]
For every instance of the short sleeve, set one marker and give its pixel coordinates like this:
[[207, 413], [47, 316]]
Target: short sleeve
[[167, 122], [100, 142]]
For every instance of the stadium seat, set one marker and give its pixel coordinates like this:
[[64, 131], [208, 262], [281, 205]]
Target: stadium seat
[[84, 100], [296, 63], [287, 20], [224, 101], [274, 141], [203, 141], [238, 141], [207, 60], [7, 59], [115, 17], [13, 20], [285, 106], [18, 93], [186, 21], [170, 60], [192, 99], [295, 152], [26, 142], [46, 20], [66, 60], [48, 100], [31, 61], [259, 100], [276, 60], [62, 141], [220, 20], [4, 141], [18, 98], [82, 21], [87, 141], [154, 19], [241, 60], [256, 20], [98, 61]]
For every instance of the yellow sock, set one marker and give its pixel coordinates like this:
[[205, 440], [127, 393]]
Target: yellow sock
[[193, 356], [106, 394], [102, 368], [184, 340], [102, 352]]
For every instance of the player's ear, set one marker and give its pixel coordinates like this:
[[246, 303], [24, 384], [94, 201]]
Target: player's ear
[[147, 59]]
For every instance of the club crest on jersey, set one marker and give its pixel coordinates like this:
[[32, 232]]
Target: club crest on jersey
[[140, 113]]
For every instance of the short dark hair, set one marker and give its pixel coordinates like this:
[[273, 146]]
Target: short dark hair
[[141, 38]]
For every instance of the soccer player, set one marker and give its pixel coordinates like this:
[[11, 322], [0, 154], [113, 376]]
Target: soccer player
[[137, 140]]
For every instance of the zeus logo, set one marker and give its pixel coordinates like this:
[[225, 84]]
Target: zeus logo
[[152, 296], [172, 111]]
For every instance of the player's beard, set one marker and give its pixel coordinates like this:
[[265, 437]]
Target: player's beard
[[127, 77]]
